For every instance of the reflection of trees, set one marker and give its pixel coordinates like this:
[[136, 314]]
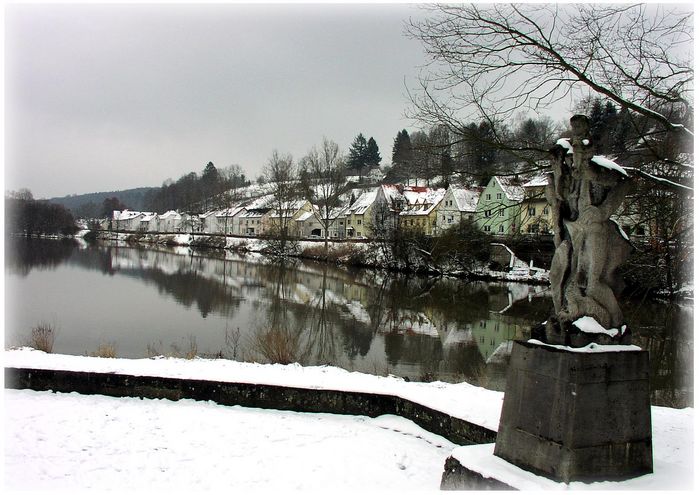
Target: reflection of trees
[[23, 254], [279, 339], [666, 331], [320, 342], [464, 359]]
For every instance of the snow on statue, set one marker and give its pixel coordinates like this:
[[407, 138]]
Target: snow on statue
[[584, 191]]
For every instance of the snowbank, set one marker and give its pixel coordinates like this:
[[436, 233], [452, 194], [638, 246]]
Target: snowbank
[[672, 428]]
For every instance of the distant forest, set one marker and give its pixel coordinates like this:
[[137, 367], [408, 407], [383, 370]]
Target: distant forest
[[90, 205]]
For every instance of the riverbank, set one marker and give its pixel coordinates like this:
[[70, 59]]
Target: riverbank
[[364, 254], [67, 441]]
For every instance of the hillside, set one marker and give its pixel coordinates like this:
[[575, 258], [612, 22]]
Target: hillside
[[82, 204]]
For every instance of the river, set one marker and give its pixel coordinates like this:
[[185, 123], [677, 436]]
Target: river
[[147, 301]]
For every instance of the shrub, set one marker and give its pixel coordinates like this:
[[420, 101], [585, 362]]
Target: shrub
[[42, 337], [108, 350]]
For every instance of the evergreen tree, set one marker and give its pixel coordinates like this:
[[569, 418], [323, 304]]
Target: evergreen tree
[[373, 158], [401, 153], [357, 156]]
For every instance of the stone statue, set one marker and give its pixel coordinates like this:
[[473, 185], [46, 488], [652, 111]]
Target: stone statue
[[584, 191]]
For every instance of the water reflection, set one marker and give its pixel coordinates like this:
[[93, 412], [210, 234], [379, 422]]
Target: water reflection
[[249, 308]]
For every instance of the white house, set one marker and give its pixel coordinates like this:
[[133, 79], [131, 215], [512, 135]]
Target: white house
[[149, 222], [227, 220], [126, 220], [208, 222], [459, 204], [170, 221]]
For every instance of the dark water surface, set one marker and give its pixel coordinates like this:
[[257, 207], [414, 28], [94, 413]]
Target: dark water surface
[[174, 301]]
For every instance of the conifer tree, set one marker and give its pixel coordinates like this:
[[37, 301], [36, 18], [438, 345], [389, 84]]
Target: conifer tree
[[357, 156]]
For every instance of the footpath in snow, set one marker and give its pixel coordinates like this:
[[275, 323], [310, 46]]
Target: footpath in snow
[[73, 441]]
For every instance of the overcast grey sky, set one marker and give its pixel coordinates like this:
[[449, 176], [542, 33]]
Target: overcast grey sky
[[107, 97]]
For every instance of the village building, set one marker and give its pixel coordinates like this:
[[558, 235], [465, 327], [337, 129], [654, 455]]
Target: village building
[[499, 207], [458, 205], [536, 214], [149, 222], [169, 222], [227, 220], [388, 204], [358, 219], [287, 214], [313, 224], [420, 210], [126, 220], [208, 221]]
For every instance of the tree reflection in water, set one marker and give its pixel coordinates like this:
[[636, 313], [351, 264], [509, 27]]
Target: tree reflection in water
[[422, 328]]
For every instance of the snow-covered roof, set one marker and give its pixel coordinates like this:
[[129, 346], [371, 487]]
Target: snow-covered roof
[[391, 193], [170, 214], [333, 213], [305, 216], [125, 215], [466, 199], [148, 216], [511, 188], [362, 203], [230, 212], [421, 200], [260, 203], [288, 208], [538, 181]]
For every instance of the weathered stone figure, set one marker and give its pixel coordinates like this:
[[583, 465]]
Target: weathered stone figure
[[579, 411], [585, 190]]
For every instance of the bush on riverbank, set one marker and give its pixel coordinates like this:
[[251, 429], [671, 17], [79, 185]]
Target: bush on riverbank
[[42, 337]]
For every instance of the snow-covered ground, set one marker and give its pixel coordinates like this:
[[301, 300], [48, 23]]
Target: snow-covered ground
[[70, 441], [66, 441]]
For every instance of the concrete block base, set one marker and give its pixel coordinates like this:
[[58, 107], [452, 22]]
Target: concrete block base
[[577, 416]]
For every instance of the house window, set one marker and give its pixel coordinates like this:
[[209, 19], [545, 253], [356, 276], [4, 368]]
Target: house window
[[487, 213], [449, 220], [545, 210], [487, 228], [488, 196], [499, 195], [500, 228], [359, 221], [501, 212], [531, 211]]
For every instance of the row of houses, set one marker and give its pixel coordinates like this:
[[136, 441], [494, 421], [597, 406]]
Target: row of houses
[[505, 206]]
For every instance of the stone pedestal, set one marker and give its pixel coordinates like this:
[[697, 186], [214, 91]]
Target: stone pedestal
[[577, 416]]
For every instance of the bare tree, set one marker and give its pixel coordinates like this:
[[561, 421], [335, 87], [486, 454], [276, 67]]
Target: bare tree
[[324, 182], [488, 62], [282, 175]]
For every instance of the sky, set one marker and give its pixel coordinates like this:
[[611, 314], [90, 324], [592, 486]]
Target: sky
[[108, 97]]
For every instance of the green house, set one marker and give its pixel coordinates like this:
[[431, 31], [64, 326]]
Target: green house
[[498, 209]]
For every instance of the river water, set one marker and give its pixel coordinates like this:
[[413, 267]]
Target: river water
[[146, 301]]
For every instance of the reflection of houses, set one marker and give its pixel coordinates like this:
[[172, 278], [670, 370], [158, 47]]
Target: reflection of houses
[[459, 204], [489, 334]]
